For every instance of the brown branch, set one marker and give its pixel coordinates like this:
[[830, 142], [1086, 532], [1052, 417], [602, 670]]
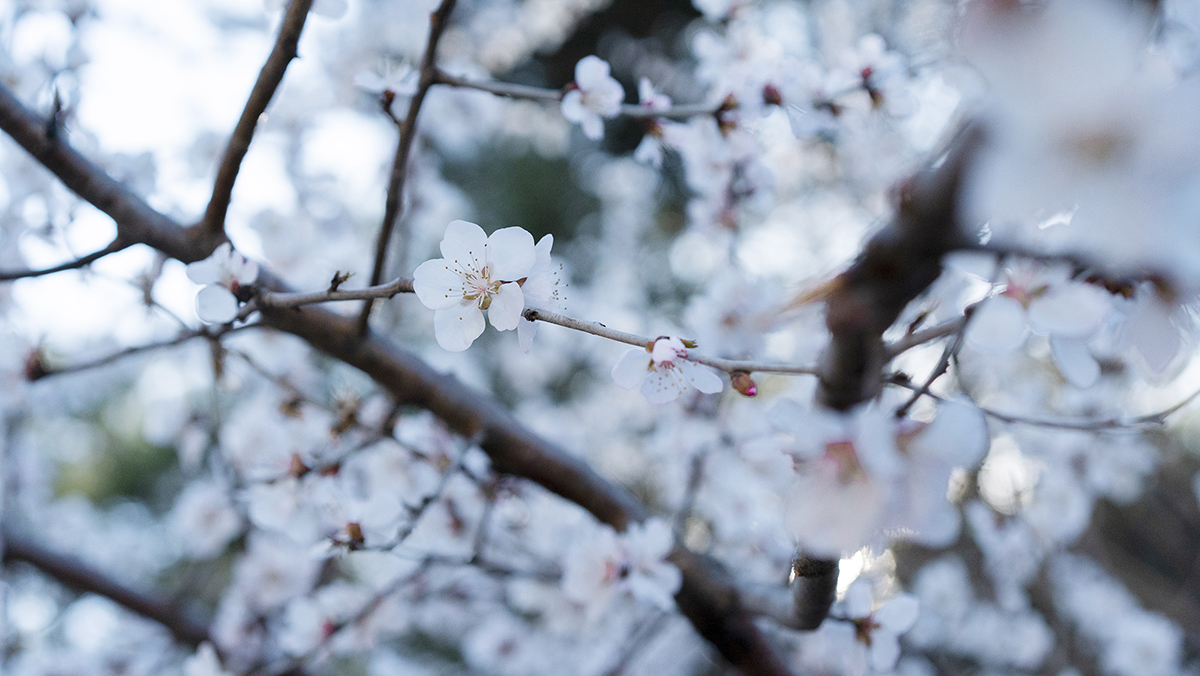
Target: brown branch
[[264, 90], [408, 131], [896, 266], [708, 596], [115, 246], [77, 575]]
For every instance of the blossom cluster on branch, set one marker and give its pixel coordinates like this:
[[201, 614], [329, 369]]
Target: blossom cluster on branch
[[942, 253]]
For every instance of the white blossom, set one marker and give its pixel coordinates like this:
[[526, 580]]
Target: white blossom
[[663, 372], [223, 273], [477, 272], [205, 519], [543, 288], [878, 627], [596, 95], [605, 563]]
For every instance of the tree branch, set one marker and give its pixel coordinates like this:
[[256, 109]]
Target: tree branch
[[395, 192], [1093, 425], [115, 246], [518, 91], [708, 596], [138, 349], [264, 90], [726, 365], [77, 575], [293, 300]]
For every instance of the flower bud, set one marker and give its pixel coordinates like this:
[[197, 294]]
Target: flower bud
[[742, 382]]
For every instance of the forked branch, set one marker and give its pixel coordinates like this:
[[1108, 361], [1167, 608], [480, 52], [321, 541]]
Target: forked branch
[[268, 81]]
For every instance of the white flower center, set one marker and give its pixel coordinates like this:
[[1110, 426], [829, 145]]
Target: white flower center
[[479, 286]]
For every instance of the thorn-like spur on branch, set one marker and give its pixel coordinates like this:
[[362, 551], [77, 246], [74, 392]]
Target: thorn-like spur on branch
[[408, 131], [264, 90], [518, 91], [82, 262], [77, 575], [726, 365], [708, 597]]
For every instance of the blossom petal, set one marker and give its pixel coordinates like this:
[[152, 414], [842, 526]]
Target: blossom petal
[[465, 244], [526, 330], [885, 650], [1152, 336], [631, 368], [457, 327], [859, 598], [505, 311], [572, 106], [998, 325], [591, 71], [701, 377], [510, 254], [958, 435], [899, 614], [1075, 361], [592, 125], [216, 305], [1072, 310], [247, 272], [438, 284], [663, 384], [657, 586], [207, 271]]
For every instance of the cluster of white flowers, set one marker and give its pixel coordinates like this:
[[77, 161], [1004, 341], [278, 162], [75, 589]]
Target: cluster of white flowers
[[322, 520], [863, 475], [605, 564]]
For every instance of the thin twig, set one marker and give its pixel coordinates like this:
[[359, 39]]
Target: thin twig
[[264, 90], [951, 350], [519, 91], [395, 192], [916, 338], [727, 365], [293, 300], [138, 349], [1097, 425], [512, 91], [84, 261]]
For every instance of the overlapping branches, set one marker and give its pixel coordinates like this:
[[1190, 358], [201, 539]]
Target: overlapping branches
[[408, 132], [708, 596]]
